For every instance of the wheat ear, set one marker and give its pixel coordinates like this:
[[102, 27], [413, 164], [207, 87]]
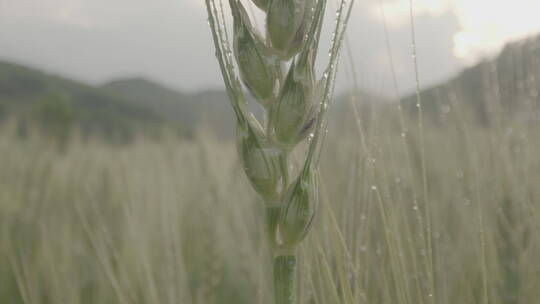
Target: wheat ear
[[278, 70]]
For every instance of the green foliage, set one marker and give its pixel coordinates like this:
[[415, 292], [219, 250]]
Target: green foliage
[[117, 110], [56, 115], [510, 79], [177, 222]]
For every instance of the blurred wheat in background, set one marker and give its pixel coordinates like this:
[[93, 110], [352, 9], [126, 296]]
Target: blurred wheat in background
[[105, 200]]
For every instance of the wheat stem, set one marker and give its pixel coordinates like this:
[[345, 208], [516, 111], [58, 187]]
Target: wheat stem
[[295, 103]]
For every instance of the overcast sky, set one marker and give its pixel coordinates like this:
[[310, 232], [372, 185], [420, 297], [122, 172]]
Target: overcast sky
[[169, 41]]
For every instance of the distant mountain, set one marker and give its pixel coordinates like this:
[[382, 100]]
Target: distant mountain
[[169, 104], [117, 109], [188, 112], [35, 96], [120, 108], [508, 83]]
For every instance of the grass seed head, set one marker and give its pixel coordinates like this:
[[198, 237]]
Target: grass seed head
[[300, 204], [292, 103], [294, 107], [284, 19], [298, 42], [259, 161], [256, 68], [262, 4]]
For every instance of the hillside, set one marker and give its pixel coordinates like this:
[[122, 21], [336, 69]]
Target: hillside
[[117, 109], [36, 97], [185, 111], [507, 84]]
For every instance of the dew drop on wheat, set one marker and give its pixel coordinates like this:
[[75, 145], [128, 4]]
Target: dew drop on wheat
[[446, 109]]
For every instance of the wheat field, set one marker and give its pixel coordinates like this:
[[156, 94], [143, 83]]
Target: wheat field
[[171, 220]]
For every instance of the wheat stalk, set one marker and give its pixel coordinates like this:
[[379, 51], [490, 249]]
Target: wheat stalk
[[278, 70]]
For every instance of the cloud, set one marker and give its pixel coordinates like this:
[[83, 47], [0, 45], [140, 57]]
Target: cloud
[[169, 40], [435, 27], [488, 25], [485, 26], [97, 40], [63, 11], [397, 12]]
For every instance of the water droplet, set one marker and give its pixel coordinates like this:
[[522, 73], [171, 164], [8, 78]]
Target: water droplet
[[446, 109]]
